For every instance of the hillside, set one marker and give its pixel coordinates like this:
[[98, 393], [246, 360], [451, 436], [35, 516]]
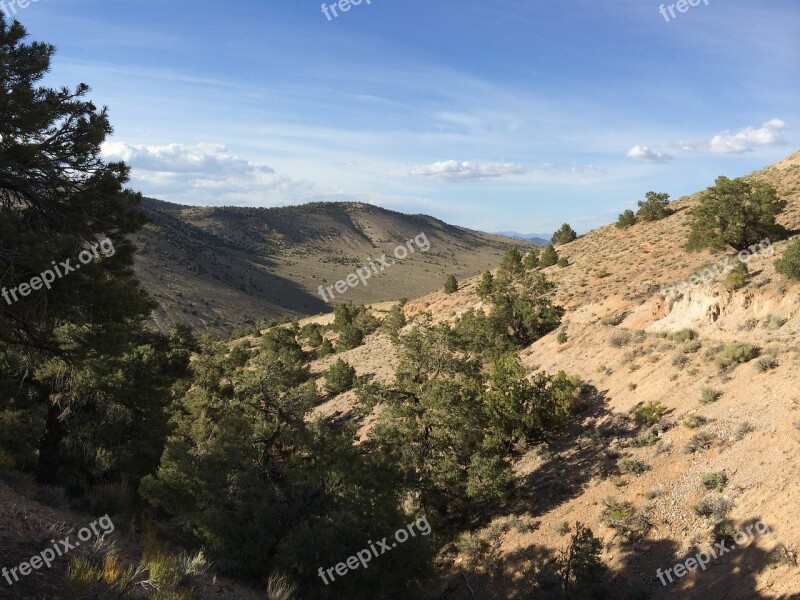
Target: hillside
[[222, 268], [620, 341]]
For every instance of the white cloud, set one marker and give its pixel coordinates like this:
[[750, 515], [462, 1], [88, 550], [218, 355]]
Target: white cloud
[[204, 174], [768, 134], [645, 153], [453, 170]]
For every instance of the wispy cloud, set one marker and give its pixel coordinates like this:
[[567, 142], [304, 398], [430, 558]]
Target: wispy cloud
[[453, 170]]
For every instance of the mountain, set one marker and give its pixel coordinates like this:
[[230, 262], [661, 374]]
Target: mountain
[[534, 238], [224, 268]]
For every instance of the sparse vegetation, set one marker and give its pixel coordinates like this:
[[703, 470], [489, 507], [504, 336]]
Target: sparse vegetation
[[716, 507], [709, 395], [700, 441], [625, 520], [736, 353], [715, 481], [650, 413], [693, 421], [788, 265]]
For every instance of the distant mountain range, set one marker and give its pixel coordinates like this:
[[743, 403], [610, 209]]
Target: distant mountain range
[[534, 238], [222, 268]]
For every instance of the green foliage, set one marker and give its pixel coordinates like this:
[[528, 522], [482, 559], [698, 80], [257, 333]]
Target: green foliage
[[520, 409], [736, 213], [693, 421], [715, 481], [709, 395], [353, 323], [683, 335], [561, 338], [654, 208], [548, 257], [563, 262], [486, 286], [737, 276], [340, 377], [702, 440], [511, 264], [312, 333], [326, 348], [531, 260], [564, 235], [736, 353], [631, 466], [650, 413], [626, 219], [788, 265], [520, 314], [625, 520], [450, 284], [394, 321]]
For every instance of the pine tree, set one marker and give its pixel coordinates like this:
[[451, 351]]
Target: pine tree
[[486, 285], [450, 284], [654, 207], [736, 213], [626, 219], [548, 257], [564, 235]]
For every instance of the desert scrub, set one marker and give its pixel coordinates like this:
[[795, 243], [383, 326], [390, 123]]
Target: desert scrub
[[700, 441], [788, 265], [693, 421], [684, 335], [562, 337], [679, 360], [709, 395], [736, 353], [650, 413], [623, 518], [766, 363], [715, 481], [717, 507], [736, 277], [611, 320], [774, 322], [743, 430], [631, 466], [619, 339]]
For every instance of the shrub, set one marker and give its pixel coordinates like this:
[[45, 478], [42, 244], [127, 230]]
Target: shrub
[[564, 235], [684, 335], [709, 395], [394, 321], [743, 430], [631, 466], [511, 263], [737, 276], [650, 413], [775, 322], [715, 481], [563, 262], [626, 219], [326, 348], [712, 507], [693, 421], [623, 518], [735, 212], [788, 265], [724, 530], [340, 377], [548, 257], [654, 207], [736, 353], [562, 337], [700, 441], [450, 284], [766, 364]]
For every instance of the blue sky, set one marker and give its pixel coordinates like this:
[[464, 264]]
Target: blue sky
[[494, 114]]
